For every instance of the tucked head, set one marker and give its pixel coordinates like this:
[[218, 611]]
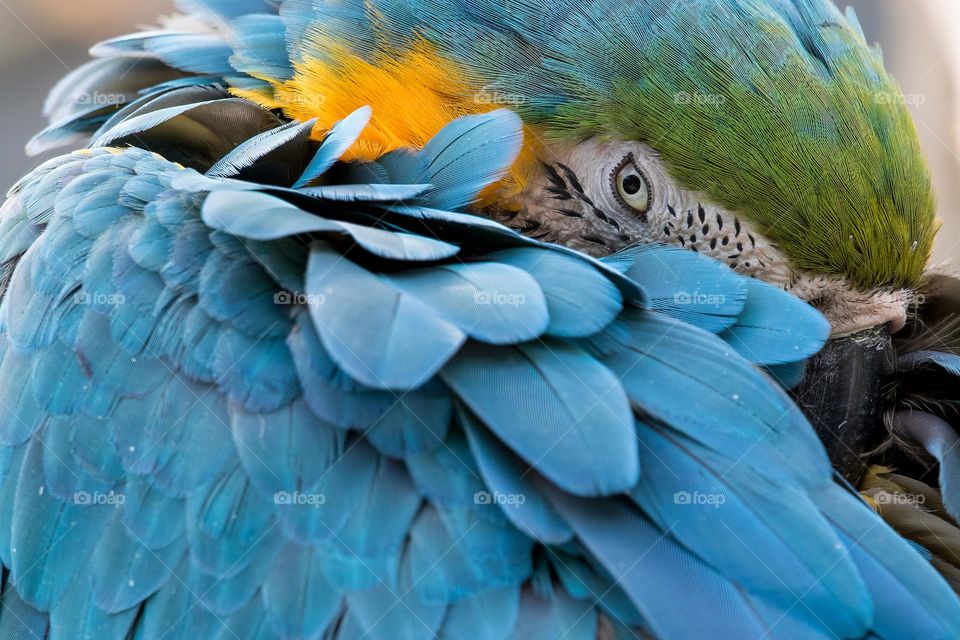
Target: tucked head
[[761, 132]]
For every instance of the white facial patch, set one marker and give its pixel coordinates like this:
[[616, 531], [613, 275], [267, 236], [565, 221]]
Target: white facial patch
[[600, 197]]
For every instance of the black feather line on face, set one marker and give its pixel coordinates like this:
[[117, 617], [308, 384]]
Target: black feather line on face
[[572, 178], [569, 187], [595, 239]]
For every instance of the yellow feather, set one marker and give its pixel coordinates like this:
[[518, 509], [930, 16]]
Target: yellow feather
[[413, 95]]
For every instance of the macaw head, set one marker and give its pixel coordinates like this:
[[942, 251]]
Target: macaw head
[[763, 133]]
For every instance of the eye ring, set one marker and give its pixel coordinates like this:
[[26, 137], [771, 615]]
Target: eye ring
[[631, 186]]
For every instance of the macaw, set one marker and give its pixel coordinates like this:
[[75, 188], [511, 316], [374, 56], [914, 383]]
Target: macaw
[[458, 320]]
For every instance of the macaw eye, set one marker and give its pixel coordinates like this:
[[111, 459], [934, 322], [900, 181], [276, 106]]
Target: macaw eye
[[630, 186]]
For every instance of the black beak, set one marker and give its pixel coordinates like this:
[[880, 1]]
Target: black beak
[[842, 395]]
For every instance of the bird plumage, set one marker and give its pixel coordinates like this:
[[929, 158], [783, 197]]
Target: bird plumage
[[259, 384]]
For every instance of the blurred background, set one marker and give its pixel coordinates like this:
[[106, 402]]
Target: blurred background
[[41, 40]]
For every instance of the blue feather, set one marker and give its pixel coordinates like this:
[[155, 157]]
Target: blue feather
[[776, 327], [379, 335], [260, 47], [287, 450], [727, 405], [235, 290], [448, 565], [384, 613], [196, 53], [254, 149], [367, 550], [265, 218], [177, 434], [585, 580], [414, 423], [18, 620], [176, 612], [76, 616], [506, 475], [258, 373], [556, 616], [149, 245], [949, 362], [229, 525], [580, 299], [490, 302], [939, 438], [225, 595], [652, 568], [125, 572], [337, 398], [468, 155], [322, 512], [751, 532], [491, 615], [64, 478], [685, 285], [789, 376], [574, 428], [12, 459], [153, 517], [92, 447], [24, 416], [299, 601], [341, 137], [910, 598], [51, 540]]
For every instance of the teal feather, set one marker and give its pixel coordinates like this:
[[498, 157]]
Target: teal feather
[[575, 429], [291, 469]]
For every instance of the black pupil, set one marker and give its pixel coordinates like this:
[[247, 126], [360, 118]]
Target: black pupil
[[632, 185]]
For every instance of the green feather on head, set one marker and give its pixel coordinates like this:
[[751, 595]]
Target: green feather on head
[[784, 116]]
